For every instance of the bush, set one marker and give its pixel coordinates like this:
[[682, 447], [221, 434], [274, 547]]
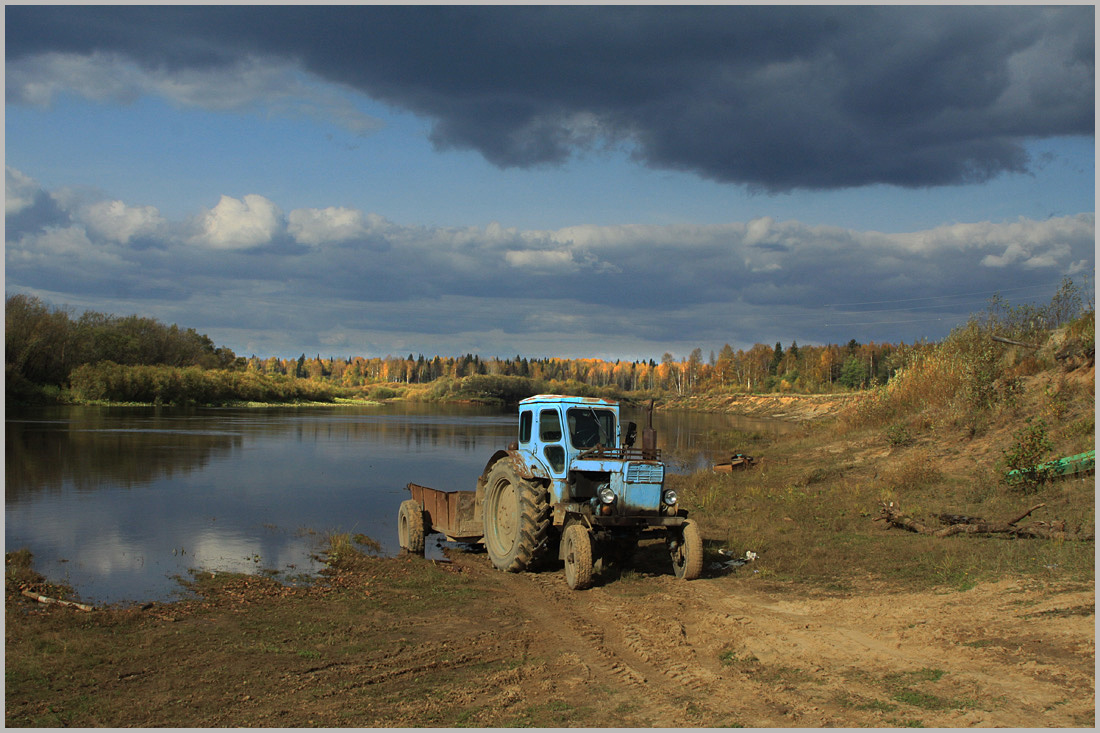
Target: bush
[[912, 474], [496, 388], [899, 435], [44, 344], [382, 392], [1030, 445], [440, 389], [965, 375], [110, 382]]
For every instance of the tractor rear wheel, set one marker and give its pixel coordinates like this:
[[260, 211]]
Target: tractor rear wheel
[[410, 527], [686, 548], [515, 517], [576, 549]]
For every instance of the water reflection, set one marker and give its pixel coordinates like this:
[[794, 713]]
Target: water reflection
[[116, 501], [691, 441], [98, 450]]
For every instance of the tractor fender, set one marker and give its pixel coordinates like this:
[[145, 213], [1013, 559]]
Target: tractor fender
[[524, 471]]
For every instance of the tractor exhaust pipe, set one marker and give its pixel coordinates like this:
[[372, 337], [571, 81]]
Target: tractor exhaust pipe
[[649, 435]]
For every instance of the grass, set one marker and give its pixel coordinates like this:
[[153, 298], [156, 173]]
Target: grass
[[777, 675], [825, 533], [808, 510], [225, 642], [934, 442], [912, 688], [551, 714]]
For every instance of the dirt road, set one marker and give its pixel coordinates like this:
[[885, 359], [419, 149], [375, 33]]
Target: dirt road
[[399, 642], [655, 651]]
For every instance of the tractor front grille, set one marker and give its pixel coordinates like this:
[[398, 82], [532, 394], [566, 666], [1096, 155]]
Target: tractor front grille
[[645, 473]]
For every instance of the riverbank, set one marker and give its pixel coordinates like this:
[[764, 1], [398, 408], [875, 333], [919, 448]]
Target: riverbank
[[406, 642], [839, 618], [790, 407]]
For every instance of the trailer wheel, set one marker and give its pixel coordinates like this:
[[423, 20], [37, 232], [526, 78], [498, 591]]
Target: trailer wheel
[[410, 527], [576, 548], [686, 548], [516, 518]]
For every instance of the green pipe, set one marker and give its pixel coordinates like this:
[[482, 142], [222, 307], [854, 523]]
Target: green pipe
[[1068, 466]]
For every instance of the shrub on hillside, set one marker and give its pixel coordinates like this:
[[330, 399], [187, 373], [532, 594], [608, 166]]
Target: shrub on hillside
[[1030, 445], [965, 373], [382, 392], [496, 388], [110, 382]]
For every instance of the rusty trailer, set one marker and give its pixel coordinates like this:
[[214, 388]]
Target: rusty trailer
[[452, 514]]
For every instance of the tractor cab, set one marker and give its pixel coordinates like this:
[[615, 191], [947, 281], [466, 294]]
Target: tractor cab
[[581, 447]]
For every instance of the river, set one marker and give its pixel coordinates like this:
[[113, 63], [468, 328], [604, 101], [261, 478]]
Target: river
[[119, 501]]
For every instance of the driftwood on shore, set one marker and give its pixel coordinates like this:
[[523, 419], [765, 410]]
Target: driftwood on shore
[[48, 600], [958, 524]]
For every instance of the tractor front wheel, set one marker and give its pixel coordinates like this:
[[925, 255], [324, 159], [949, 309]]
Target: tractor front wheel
[[576, 549], [686, 547]]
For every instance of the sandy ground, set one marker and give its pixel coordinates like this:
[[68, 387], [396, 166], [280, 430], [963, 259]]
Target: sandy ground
[[713, 652], [640, 649], [789, 407]]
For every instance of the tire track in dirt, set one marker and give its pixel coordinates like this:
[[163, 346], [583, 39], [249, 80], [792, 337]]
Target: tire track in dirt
[[877, 648], [720, 651], [642, 643], [407, 661], [557, 603]]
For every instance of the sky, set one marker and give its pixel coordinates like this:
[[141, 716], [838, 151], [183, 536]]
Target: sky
[[614, 182]]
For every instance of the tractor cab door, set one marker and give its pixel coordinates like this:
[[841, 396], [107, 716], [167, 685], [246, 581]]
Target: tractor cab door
[[552, 442]]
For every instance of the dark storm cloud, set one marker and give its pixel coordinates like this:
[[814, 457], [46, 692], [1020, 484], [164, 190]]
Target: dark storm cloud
[[773, 98]]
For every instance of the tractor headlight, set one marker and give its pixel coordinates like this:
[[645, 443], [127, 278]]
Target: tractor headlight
[[605, 493], [670, 497]]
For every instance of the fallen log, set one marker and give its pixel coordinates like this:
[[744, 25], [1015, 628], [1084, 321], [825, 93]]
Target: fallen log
[[893, 516], [957, 519], [1003, 340], [57, 601]]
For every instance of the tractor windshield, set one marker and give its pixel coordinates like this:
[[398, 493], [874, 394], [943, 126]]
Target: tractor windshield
[[589, 427]]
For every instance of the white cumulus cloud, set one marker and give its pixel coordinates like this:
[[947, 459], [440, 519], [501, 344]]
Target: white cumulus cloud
[[332, 224], [19, 191], [116, 221], [240, 224], [69, 245], [542, 260]]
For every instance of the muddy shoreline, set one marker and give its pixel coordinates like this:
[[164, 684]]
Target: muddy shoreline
[[397, 642]]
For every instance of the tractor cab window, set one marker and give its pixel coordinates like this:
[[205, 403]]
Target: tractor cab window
[[550, 432], [549, 426], [589, 427], [525, 418], [555, 456]]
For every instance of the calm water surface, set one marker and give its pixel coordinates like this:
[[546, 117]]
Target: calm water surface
[[117, 501]]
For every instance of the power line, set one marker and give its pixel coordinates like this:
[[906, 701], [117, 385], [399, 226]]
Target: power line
[[937, 297], [883, 323], [960, 304]]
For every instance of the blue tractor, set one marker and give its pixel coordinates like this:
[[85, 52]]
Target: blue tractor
[[572, 487]]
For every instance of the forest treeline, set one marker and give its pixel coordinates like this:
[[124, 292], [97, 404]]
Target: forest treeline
[[52, 355], [762, 368]]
